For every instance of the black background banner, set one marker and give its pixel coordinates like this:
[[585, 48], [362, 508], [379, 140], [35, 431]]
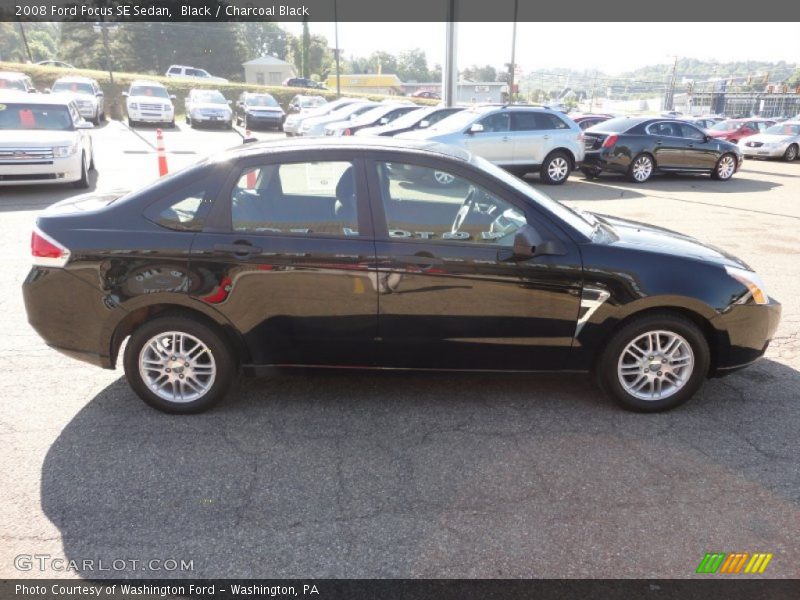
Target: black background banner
[[712, 588], [413, 10]]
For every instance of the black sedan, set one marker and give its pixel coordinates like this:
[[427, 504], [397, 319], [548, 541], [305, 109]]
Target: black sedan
[[322, 253], [639, 147]]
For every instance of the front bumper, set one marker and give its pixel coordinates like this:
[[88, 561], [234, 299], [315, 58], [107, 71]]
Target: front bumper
[[265, 120], [211, 119], [744, 332], [88, 111], [763, 151], [151, 116], [56, 170]]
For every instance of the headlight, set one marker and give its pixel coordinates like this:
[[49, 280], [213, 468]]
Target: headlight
[[65, 151], [752, 282], [133, 105]]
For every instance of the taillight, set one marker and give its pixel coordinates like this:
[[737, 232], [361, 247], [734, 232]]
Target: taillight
[[46, 251], [610, 141], [347, 132]]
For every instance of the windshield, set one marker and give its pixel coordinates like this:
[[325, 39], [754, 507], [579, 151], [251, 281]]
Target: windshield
[[310, 101], [209, 97], [583, 222], [35, 117], [262, 100], [149, 90], [458, 121], [784, 129], [726, 126], [412, 118], [12, 84], [73, 86]]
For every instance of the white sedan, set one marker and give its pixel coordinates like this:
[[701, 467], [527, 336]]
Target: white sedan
[[782, 140], [43, 140]]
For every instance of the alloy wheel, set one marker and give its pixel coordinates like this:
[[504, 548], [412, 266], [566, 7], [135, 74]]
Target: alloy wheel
[[558, 168], [726, 167], [655, 365], [177, 366], [642, 168]]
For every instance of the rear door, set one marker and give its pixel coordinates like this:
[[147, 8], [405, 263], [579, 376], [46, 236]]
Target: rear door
[[286, 260], [528, 132]]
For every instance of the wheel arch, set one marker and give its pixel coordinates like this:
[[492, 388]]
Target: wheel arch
[[703, 323], [567, 151], [135, 318]]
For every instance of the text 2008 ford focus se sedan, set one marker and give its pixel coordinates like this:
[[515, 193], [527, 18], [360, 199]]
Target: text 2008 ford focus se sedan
[[347, 253]]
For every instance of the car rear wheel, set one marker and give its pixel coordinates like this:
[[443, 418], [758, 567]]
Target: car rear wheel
[[641, 168], [725, 168], [178, 365], [791, 153], [556, 168], [590, 173], [654, 363]]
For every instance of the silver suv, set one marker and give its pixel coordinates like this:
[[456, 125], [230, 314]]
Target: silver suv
[[520, 139]]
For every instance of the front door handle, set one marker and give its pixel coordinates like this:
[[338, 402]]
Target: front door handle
[[506, 138], [239, 249]]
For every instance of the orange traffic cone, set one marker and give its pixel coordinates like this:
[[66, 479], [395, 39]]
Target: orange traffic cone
[[162, 157]]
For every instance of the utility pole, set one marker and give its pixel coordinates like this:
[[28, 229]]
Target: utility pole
[[594, 84], [25, 41], [669, 97], [116, 112], [450, 71], [513, 55], [336, 41]]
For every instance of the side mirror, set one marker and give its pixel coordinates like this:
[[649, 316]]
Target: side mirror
[[529, 244], [124, 94], [84, 125], [424, 124], [172, 97], [476, 128], [100, 94]]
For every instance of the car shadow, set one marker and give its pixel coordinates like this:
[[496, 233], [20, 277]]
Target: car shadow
[[398, 475], [37, 197]]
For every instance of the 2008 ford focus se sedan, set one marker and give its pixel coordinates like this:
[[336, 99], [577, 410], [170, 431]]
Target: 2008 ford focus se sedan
[[349, 253]]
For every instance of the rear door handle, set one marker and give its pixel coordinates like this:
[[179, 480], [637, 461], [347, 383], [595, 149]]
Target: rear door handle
[[237, 249]]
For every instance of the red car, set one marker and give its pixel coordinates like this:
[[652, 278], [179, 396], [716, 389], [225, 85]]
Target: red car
[[733, 130]]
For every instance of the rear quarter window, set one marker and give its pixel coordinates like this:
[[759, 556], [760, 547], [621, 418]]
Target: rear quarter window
[[186, 208]]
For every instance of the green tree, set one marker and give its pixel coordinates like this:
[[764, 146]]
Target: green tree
[[81, 46], [262, 39], [412, 65], [475, 73]]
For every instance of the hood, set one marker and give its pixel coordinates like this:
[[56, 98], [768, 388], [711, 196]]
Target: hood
[[340, 125], [19, 138], [429, 133], [210, 106], [641, 236], [768, 138]]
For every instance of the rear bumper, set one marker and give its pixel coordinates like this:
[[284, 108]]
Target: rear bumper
[[744, 331], [605, 160], [77, 326]]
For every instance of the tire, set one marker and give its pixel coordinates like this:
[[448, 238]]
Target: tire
[[186, 119], [83, 183], [681, 346], [555, 169], [215, 366], [103, 116], [96, 121], [725, 168], [791, 153], [589, 173], [641, 169], [131, 123], [92, 166], [171, 124]]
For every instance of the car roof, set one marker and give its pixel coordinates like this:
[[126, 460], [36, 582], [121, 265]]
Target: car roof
[[26, 98], [347, 143]]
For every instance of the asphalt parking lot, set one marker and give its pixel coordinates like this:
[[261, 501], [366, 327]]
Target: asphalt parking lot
[[408, 475]]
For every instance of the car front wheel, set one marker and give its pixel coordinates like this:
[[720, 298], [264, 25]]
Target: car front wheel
[[726, 167], [790, 154], [654, 363], [178, 365]]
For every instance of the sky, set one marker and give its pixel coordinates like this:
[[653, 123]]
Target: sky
[[616, 47]]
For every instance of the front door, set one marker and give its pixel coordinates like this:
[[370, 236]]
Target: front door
[[494, 143], [447, 298], [290, 270], [669, 144]]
